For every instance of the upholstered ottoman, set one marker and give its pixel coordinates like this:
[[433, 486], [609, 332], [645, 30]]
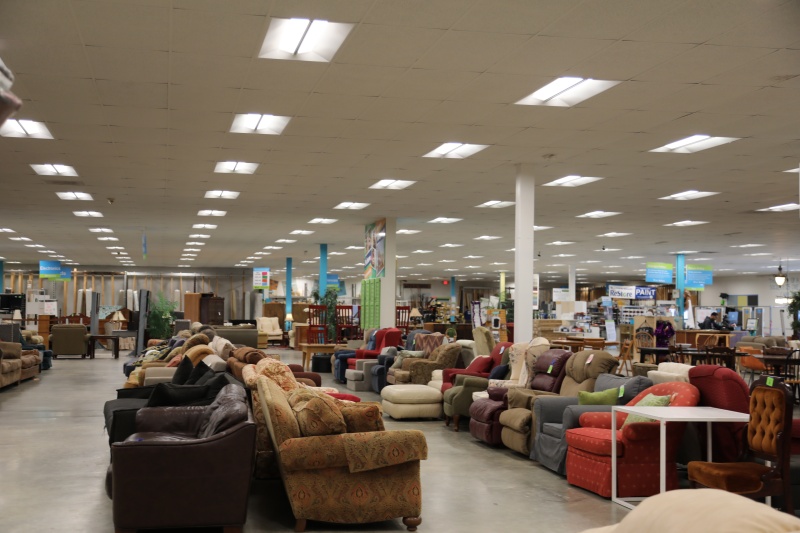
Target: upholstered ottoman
[[355, 380], [411, 401], [436, 380], [321, 363]]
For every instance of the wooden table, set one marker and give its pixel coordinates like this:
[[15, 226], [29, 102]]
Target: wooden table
[[114, 343], [309, 349]]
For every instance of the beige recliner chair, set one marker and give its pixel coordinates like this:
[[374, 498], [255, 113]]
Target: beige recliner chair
[[69, 339], [269, 329], [484, 341]]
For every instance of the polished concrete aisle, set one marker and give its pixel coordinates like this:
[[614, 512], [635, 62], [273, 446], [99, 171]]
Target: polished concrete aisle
[[54, 455]]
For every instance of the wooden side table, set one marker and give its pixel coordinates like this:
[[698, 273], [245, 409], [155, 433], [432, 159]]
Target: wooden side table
[[114, 342]]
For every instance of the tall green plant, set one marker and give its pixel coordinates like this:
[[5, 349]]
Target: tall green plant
[[159, 319], [329, 301], [794, 308]]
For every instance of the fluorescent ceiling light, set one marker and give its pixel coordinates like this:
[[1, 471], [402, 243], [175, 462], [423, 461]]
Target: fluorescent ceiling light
[[204, 226], [780, 208], [694, 143], [452, 261], [74, 196], [471, 266], [405, 268], [19, 238], [567, 91], [758, 254], [351, 205], [303, 39], [252, 257], [309, 261], [199, 236], [95, 214], [559, 243], [54, 170], [456, 150], [614, 234], [590, 261], [407, 231], [114, 248], [688, 195], [683, 223], [487, 238], [444, 220], [496, 204], [422, 251], [684, 252], [263, 253], [354, 248], [262, 124], [342, 253], [248, 262], [192, 250], [473, 257], [609, 250], [211, 213], [301, 232], [101, 230], [451, 270], [7, 230], [633, 257], [598, 214], [322, 220], [394, 185], [450, 245], [793, 170], [235, 167], [287, 241], [25, 128], [228, 195], [564, 255], [107, 239], [273, 248], [195, 243], [571, 181], [541, 228], [746, 245], [424, 264]]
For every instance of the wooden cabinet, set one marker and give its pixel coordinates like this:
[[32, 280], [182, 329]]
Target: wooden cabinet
[[212, 310], [191, 306]]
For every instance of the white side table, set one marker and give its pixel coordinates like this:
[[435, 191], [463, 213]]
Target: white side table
[[664, 415]]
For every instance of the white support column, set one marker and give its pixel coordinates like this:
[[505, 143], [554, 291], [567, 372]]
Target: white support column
[[389, 281], [523, 255], [571, 282]]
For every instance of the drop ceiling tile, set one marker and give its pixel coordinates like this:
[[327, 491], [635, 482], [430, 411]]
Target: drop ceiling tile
[[122, 64], [393, 46], [60, 114], [333, 10], [241, 7], [399, 109], [364, 129], [207, 121], [767, 69], [45, 58], [415, 13], [208, 70], [335, 106], [469, 51], [702, 63], [124, 25], [696, 97], [637, 120], [278, 75], [225, 34], [203, 98], [633, 95], [60, 90], [139, 135], [317, 126], [136, 117], [624, 60], [497, 88], [35, 22], [620, 17], [525, 17], [429, 84], [549, 56], [365, 80], [132, 94]]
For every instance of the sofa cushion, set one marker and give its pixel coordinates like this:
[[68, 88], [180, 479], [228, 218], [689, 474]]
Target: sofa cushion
[[10, 365], [197, 353], [317, 414], [282, 420], [30, 358], [595, 440], [215, 362], [222, 347], [516, 419], [198, 373], [195, 340], [406, 354], [361, 417], [552, 429], [633, 385], [183, 371], [651, 400], [485, 409], [499, 372], [228, 409], [278, 372], [480, 365], [605, 397]]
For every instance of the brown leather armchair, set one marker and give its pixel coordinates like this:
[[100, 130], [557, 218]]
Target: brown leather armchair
[[185, 451]]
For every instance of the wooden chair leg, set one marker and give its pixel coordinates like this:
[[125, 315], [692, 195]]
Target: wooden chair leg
[[455, 422], [411, 522], [300, 525], [446, 420]]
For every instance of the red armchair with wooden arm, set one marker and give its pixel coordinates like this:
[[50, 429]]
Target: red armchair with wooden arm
[[496, 357], [384, 337]]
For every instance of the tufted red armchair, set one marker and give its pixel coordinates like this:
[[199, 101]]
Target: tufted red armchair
[[383, 338], [589, 447], [449, 374]]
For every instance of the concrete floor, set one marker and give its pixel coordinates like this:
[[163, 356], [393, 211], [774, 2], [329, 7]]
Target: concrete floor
[[54, 455]]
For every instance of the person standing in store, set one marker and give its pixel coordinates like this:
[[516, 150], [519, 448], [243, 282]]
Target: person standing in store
[[710, 322]]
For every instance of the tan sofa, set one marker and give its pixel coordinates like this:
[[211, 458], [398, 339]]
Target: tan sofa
[[346, 478], [762, 343], [10, 364], [69, 339]]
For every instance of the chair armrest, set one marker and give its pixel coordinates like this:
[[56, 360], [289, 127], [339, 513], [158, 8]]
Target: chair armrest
[[155, 364], [472, 382], [158, 375], [641, 431], [550, 409], [296, 368], [521, 398], [142, 393], [600, 420], [315, 378], [365, 365], [386, 360], [185, 420], [497, 393], [572, 414]]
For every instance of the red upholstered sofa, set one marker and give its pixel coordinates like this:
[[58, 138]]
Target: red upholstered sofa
[[722, 388], [589, 448], [449, 374]]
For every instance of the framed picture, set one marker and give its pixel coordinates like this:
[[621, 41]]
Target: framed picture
[[752, 324]]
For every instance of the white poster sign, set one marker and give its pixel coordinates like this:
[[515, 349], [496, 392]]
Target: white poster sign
[[622, 291], [536, 291], [562, 295], [611, 331]]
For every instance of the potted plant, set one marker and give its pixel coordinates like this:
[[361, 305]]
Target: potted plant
[[329, 300], [159, 319], [794, 309]]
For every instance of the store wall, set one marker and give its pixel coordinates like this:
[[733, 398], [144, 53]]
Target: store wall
[[763, 286]]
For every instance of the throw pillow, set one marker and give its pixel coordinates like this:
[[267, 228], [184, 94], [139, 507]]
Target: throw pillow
[[197, 373], [499, 372], [605, 397], [480, 365], [198, 353], [183, 371], [405, 354], [195, 340], [277, 372], [317, 414], [651, 400], [361, 417]]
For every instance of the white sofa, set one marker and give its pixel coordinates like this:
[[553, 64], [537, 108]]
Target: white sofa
[[670, 372]]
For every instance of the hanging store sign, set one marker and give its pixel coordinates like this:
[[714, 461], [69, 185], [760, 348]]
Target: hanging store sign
[[50, 269], [699, 275], [632, 293], [261, 278], [658, 273]]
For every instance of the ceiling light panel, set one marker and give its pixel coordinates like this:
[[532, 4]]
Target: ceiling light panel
[[562, 255], [688, 195], [407, 231], [261, 124], [302, 39], [301, 232], [450, 245], [614, 234], [746, 245], [211, 213], [496, 204], [351, 205], [107, 239], [598, 214], [567, 91], [559, 243], [541, 228], [235, 167], [204, 226], [444, 220], [286, 241], [25, 128], [694, 143], [273, 248], [422, 251], [228, 195], [684, 223], [456, 150], [394, 185], [195, 243], [487, 238], [199, 236], [322, 220], [93, 214], [19, 238], [780, 208], [54, 170], [571, 181], [354, 248], [341, 253], [101, 230], [7, 230]]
